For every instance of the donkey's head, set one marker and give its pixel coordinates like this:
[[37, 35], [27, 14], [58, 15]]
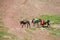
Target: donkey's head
[[48, 21]]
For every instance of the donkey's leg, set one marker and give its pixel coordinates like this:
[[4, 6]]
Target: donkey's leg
[[42, 25], [27, 25], [22, 25], [48, 24], [37, 25]]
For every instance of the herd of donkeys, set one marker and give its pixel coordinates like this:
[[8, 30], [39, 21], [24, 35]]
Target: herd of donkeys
[[35, 21]]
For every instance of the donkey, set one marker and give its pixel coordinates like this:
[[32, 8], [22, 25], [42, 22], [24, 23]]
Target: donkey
[[36, 21], [45, 22], [25, 22]]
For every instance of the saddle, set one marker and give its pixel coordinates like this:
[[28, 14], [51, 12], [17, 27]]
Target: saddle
[[35, 20], [42, 22]]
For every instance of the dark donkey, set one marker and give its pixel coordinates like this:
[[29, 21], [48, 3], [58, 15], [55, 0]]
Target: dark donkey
[[45, 22], [36, 21], [25, 22]]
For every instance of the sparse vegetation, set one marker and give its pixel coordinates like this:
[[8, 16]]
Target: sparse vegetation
[[26, 39], [4, 35], [54, 31], [21, 16], [29, 31], [33, 28], [55, 19]]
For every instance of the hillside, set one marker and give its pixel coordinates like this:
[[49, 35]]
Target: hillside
[[12, 11], [30, 7]]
